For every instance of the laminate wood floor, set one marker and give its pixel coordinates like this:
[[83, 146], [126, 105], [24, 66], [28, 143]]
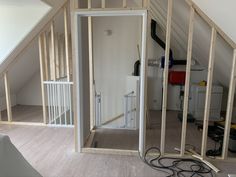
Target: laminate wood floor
[[51, 152], [128, 139], [25, 113]]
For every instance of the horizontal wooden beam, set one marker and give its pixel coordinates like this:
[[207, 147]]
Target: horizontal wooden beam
[[110, 151]]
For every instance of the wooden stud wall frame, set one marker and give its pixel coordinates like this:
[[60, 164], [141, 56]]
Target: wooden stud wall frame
[[78, 75]]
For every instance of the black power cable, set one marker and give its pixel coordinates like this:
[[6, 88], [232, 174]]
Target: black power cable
[[175, 167]]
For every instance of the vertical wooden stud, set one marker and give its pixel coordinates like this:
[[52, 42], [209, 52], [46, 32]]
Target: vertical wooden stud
[[144, 3], [45, 49], [208, 92], [103, 4], [187, 81], [143, 88], [41, 61], [57, 63], [91, 73], [62, 56], [89, 4], [124, 3], [53, 63], [67, 43], [230, 105], [8, 97], [165, 76]]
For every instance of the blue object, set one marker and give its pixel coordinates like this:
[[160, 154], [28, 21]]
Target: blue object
[[171, 62]]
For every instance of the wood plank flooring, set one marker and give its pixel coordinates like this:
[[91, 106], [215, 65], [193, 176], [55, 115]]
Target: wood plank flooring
[[128, 139], [51, 152], [25, 113]]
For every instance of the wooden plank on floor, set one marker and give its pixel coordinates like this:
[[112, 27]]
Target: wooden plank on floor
[[110, 151]]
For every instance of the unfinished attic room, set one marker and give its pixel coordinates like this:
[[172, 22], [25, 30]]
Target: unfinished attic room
[[117, 88]]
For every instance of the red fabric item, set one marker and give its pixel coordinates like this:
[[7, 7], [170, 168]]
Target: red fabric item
[[177, 77]]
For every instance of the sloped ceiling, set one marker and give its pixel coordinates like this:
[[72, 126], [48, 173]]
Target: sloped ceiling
[[222, 13], [201, 39], [27, 63], [17, 19], [24, 69]]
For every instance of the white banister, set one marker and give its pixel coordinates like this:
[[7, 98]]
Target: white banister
[[98, 113], [59, 102]]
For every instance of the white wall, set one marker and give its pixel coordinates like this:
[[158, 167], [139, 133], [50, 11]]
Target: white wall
[[114, 58], [30, 93], [3, 104], [17, 19], [222, 13]]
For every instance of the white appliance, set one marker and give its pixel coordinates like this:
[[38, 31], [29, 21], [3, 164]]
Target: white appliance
[[132, 102], [197, 102], [154, 93]]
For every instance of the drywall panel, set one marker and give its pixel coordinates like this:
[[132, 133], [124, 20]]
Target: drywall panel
[[219, 11], [24, 68], [30, 93], [17, 19], [115, 52]]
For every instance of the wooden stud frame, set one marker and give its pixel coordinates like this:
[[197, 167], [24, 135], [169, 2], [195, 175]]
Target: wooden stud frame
[[187, 81], [124, 3], [91, 70], [78, 75], [208, 92], [42, 71], [67, 43], [165, 76], [8, 97], [229, 107], [103, 4], [53, 53]]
